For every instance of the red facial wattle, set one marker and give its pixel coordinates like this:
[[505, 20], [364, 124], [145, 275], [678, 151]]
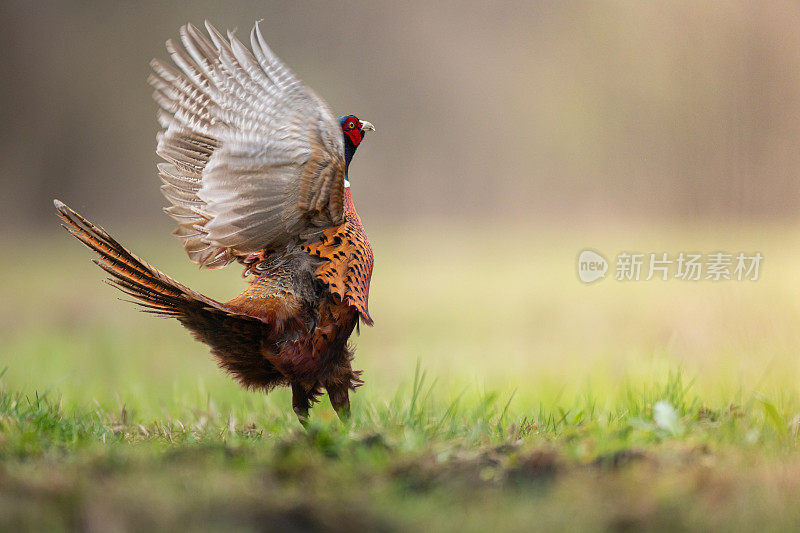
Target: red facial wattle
[[355, 136]]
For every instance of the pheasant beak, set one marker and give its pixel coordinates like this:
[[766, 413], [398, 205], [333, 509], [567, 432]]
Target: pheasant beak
[[367, 126]]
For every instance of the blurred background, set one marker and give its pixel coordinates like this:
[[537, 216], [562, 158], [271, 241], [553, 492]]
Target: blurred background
[[553, 111], [510, 136]]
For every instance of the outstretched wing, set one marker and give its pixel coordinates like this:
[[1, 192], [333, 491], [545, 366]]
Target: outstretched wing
[[254, 158]]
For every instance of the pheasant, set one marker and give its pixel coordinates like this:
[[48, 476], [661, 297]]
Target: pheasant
[[256, 170]]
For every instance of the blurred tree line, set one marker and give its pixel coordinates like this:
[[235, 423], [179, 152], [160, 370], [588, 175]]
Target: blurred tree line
[[553, 110]]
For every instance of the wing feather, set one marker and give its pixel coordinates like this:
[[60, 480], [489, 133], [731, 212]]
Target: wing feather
[[254, 158]]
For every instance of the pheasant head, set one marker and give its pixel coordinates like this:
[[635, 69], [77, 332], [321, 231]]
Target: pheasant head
[[353, 130]]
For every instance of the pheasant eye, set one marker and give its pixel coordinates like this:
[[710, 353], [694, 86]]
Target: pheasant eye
[[351, 125]]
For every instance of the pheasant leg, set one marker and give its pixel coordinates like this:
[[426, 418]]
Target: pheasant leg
[[301, 402], [340, 400]]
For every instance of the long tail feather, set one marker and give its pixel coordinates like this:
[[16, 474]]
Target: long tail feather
[[153, 289], [235, 338]]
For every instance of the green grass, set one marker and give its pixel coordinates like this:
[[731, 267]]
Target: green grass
[[500, 393]]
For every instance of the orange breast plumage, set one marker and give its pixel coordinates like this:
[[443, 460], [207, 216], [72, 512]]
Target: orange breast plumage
[[348, 268]]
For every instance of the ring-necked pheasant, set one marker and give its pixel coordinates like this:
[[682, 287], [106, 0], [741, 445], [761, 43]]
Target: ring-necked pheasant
[[257, 172]]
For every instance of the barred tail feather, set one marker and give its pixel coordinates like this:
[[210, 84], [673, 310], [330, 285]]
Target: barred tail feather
[[235, 338], [155, 291]]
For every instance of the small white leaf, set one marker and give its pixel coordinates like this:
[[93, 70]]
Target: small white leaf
[[667, 418]]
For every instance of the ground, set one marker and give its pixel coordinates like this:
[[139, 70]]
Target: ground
[[500, 393]]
